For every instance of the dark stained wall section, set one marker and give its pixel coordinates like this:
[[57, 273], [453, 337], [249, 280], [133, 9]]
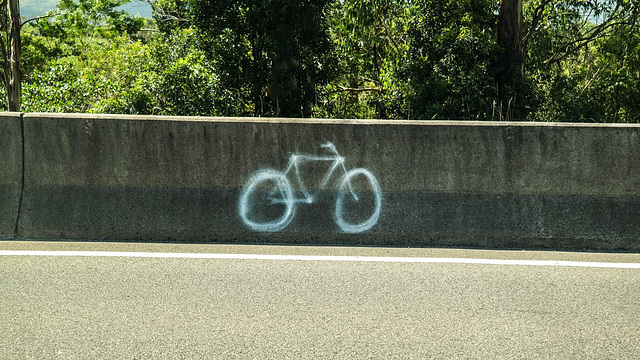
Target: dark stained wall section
[[10, 172]]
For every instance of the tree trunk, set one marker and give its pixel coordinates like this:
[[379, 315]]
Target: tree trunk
[[14, 86], [509, 66]]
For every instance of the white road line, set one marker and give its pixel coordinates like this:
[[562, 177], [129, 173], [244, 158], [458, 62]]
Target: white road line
[[323, 258]]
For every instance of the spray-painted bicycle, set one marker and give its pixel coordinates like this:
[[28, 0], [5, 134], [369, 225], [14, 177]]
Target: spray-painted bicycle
[[268, 201]]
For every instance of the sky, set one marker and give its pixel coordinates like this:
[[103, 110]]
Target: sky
[[33, 8]]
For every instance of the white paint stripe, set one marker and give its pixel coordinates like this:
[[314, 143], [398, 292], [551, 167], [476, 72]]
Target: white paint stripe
[[323, 258]]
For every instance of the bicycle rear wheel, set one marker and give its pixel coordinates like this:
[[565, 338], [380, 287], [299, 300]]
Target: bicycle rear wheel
[[266, 203]]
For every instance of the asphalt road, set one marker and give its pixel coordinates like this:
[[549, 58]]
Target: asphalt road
[[434, 305]]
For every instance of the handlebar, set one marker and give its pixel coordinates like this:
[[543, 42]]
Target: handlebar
[[329, 145]]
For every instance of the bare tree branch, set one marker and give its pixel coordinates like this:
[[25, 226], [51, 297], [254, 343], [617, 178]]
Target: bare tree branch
[[356, 90], [593, 34], [38, 18], [537, 16]]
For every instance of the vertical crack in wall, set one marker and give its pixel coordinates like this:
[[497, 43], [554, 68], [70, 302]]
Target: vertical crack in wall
[[17, 226]]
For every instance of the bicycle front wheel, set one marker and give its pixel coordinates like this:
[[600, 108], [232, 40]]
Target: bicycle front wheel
[[359, 201], [266, 203]]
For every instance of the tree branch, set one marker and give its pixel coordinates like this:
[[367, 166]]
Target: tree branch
[[537, 16], [37, 18], [577, 44], [591, 35], [355, 90]]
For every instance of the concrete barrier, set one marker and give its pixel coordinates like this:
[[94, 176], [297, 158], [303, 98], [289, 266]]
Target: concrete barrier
[[426, 183], [10, 172]]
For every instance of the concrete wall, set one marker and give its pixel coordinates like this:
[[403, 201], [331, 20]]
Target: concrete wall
[[10, 172], [441, 183]]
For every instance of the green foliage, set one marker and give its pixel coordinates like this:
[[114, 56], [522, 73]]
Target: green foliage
[[186, 81], [418, 59], [164, 76], [172, 15], [85, 19], [585, 61], [99, 81], [74, 28], [452, 44], [370, 45], [602, 83], [83, 57], [274, 50]]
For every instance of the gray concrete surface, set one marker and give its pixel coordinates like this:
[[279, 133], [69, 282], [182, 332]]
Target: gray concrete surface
[[115, 308], [10, 172], [441, 183]]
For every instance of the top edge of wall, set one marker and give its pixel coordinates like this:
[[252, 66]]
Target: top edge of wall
[[275, 120], [10, 114]]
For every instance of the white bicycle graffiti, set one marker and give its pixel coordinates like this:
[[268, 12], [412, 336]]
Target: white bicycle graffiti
[[270, 191]]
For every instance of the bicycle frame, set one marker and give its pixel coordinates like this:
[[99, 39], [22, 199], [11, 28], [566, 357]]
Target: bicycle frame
[[298, 159]]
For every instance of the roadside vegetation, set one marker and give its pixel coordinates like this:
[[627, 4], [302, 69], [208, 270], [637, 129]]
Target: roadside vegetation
[[555, 60]]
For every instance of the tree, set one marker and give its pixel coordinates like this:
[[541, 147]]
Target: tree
[[452, 44], [276, 50], [545, 33], [370, 44], [84, 57], [600, 82], [509, 65], [84, 17], [579, 23], [171, 15], [10, 25], [549, 60]]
